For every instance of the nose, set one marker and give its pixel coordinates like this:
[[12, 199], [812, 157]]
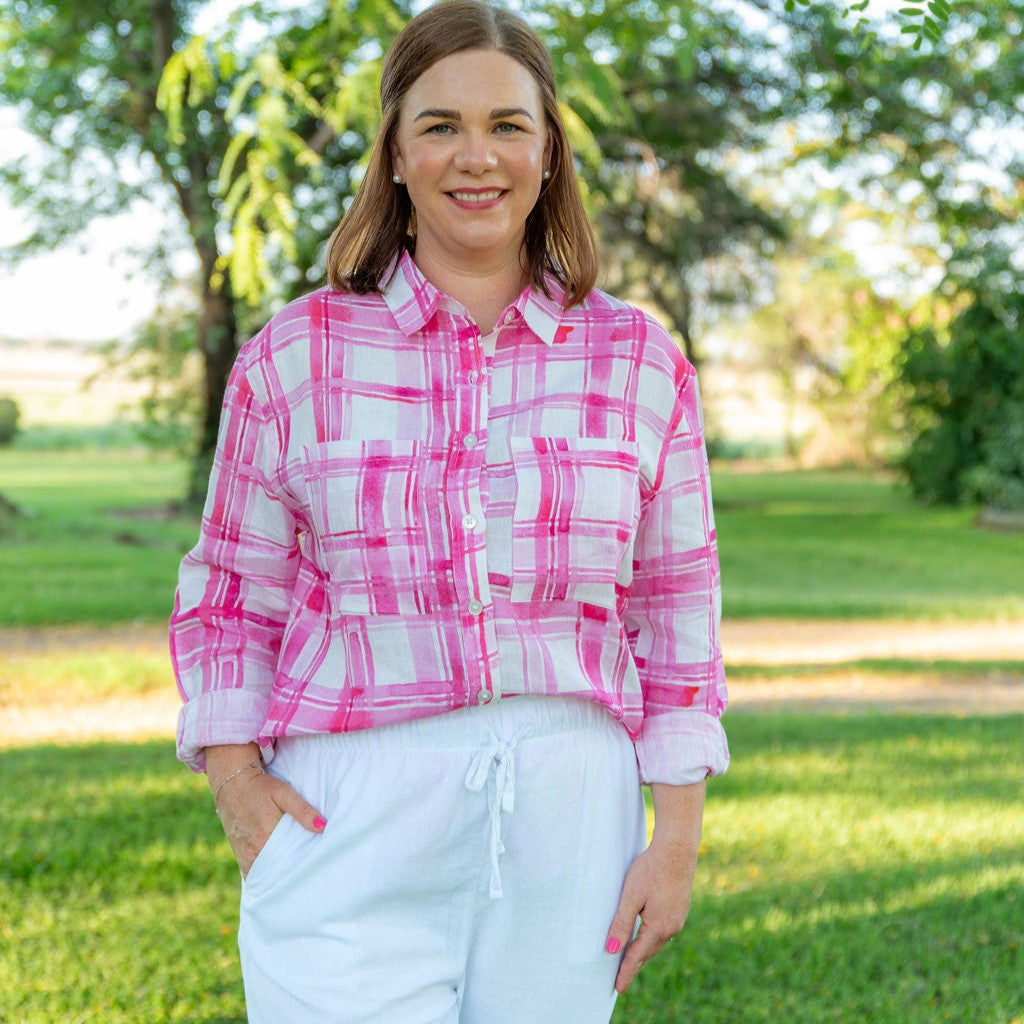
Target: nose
[[476, 153]]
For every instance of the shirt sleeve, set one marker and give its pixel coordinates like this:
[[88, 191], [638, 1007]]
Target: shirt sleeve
[[673, 612], [234, 586]]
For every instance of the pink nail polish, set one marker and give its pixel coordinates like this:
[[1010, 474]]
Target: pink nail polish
[[319, 823], [612, 946]]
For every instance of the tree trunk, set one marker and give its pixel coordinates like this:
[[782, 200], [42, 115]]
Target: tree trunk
[[217, 341]]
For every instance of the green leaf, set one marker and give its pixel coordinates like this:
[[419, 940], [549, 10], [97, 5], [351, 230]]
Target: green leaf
[[227, 165]]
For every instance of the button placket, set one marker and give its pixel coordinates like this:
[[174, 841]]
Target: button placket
[[464, 501]]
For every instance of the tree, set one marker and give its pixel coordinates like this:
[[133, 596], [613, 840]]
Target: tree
[[830, 341], [85, 76], [965, 397], [9, 416], [258, 143], [669, 83]]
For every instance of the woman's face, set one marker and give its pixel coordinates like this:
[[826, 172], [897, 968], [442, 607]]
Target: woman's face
[[471, 147]]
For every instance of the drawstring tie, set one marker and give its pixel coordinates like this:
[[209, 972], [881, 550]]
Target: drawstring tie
[[501, 798]]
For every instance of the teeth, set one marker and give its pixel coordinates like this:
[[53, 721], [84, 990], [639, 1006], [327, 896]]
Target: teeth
[[477, 197]]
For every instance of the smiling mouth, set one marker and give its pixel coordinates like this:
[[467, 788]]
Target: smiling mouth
[[478, 197]]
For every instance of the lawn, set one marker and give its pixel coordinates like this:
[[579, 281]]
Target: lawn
[[858, 868], [854, 545], [100, 545]]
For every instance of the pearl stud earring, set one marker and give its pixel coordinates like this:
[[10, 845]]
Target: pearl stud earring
[[547, 174], [396, 178]]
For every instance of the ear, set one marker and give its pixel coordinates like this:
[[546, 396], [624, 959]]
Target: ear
[[397, 163]]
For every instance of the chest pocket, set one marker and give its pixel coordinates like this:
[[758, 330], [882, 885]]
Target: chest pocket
[[576, 511], [375, 509]]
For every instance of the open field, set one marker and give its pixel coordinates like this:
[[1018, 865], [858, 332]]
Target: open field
[[101, 546]]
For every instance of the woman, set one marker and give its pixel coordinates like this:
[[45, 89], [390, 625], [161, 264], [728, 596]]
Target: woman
[[456, 591]]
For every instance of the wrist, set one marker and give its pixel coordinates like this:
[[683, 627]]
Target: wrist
[[225, 759], [678, 815]]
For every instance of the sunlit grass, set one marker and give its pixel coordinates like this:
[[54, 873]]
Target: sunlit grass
[[107, 670], [855, 868], [863, 868]]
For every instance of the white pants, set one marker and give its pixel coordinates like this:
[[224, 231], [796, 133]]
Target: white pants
[[468, 874]]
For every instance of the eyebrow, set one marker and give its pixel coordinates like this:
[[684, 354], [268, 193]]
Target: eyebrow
[[455, 115]]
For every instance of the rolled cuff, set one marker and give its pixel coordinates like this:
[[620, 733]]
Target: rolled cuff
[[681, 747], [217, 717]]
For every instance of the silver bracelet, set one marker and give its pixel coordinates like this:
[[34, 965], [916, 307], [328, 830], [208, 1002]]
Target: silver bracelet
[[256, 765]]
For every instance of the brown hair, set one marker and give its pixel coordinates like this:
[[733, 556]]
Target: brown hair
[[559, 239]]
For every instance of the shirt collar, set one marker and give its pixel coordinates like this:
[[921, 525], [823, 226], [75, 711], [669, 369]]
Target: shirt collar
[[414, 301]]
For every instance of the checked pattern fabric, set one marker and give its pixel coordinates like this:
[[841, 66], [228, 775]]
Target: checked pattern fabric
[[405, 518]]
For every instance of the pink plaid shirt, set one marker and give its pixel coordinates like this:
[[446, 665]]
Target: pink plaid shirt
[[405, 518]]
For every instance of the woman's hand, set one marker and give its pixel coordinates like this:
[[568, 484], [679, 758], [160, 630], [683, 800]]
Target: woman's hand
[[659, 882], [251, 803]]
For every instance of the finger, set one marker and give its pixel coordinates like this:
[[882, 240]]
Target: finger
[[624, 921], [292, 802], [638, 952]]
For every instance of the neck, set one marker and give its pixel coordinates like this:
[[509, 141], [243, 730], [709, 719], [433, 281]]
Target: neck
[[485, 289]]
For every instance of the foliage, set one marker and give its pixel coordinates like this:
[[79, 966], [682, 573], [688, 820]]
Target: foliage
[[84, 77], [829, 340], [9, 416], [162, 356], [256, 134], [965, 394], [300, 108], [922, 19]]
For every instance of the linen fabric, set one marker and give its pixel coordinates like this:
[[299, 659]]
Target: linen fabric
[[469, 871], [405, 518]]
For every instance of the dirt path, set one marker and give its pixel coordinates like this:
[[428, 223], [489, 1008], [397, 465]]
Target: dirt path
[[820, 643]]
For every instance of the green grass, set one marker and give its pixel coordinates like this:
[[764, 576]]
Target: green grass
[[99, 544], [854, 545], [794, 545], [855, 868]]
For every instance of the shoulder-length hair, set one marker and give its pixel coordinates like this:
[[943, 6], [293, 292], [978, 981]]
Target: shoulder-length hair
[[559, 239]]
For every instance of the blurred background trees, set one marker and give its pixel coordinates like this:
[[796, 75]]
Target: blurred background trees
[[827, 196]]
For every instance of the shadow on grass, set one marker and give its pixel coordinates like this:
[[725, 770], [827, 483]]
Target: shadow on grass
[[859, 868], [912, 758], [948, 959]]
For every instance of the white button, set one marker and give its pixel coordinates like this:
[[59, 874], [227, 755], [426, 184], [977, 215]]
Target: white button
[[509, 316], [475, 607], [472, 376], [470, 440], [484, 697], [469, 522]]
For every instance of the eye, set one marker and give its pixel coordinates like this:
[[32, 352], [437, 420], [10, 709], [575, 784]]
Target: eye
[[439, 129], [507, 128]]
